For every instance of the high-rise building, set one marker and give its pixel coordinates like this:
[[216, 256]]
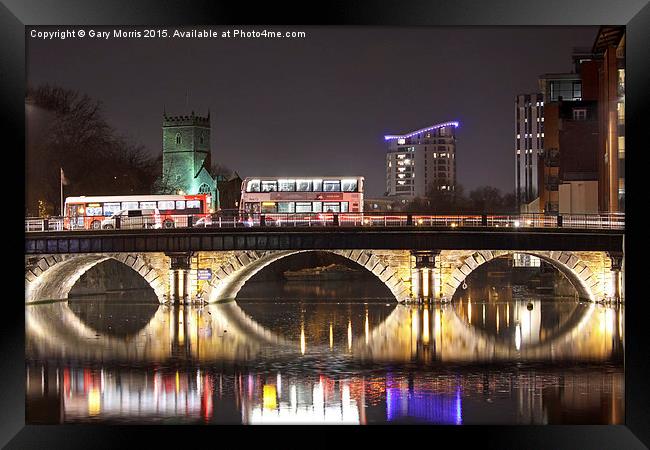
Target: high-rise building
[[186, 156], [421, 160], [529, 146]]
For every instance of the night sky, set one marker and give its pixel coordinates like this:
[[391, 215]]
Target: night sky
[[319, 105]]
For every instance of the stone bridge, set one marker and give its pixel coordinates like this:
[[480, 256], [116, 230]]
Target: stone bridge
[[409, 275]]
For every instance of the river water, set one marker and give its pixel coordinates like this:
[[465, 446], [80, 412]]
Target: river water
[[327, 352]]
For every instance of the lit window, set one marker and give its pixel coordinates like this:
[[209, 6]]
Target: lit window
[[332, 186], [349, 185], [401, 141], [193, 204], [286, 185], [148, 205], [253, 186], [579, 114], [305, 185], [166, 204], [180, 204], [269, 186]]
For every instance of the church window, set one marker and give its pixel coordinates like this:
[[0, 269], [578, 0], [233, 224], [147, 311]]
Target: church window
[[201, 138], [178, 138], [204, 189]]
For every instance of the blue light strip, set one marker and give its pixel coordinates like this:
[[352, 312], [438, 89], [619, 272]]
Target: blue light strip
[[433, 127]]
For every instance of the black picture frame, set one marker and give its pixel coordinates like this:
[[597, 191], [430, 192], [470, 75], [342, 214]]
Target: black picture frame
[[634, 14]]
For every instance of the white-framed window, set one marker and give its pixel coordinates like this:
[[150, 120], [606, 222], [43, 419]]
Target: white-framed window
[[191, 204], [332, 207], [317, 206], [111, 208], [269, 186], [332, 186], [166, 204], [180, 204], [129, 205], [148, 205], [303, 207], [303, 185], [286, 207], [253, 186]]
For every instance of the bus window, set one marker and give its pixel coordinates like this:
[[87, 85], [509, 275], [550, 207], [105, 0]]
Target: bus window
[[349, 185], [332, 186], [253, 186], [344, 206], [286, 207], [318, 185], [303, 185], [303, 207], [318, 207], [180, 204], [94, 209], [252, 207], [147, 205], [111, 208], [269, 207], [194, 204], [165, 204], [269, 186], [129, 205], [287, 185], [332, 207]]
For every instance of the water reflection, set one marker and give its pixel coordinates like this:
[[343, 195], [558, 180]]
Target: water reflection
[[518, 358]]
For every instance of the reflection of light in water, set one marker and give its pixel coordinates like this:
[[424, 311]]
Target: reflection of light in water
[[425, 326], [507, 314], [349, 334], [469, 310], [269, 397], [437, 318], [293, 395], [620, 331], [483, 313], [181, 280], [331, 336], [178, 382], [302, 339], [425, 282], [415, 318], [432, 407], [181, 328], [497, 318], [319, 410], [517, 337], [367, 327], [278, 383], [530, 321], [94, 401]]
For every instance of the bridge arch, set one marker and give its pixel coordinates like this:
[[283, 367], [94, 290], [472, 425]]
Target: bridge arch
[[589, 284], [51, 277], [231, 276]]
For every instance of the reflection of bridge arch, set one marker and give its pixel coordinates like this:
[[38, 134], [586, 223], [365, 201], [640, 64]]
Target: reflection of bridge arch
[[230, 277], [588, 284], [52, 277], [398, 338], [213, 331]]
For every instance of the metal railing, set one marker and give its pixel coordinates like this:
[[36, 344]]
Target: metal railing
[[613, 221]]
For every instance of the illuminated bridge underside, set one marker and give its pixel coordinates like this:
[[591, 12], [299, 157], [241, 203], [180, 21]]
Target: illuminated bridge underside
[[51, 277]]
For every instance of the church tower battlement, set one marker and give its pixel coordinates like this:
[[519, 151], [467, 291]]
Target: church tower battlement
[[187, 156]]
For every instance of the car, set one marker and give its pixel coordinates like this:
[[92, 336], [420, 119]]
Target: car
[[135, 218]]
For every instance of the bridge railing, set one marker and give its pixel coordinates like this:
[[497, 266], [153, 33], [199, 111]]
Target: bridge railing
[[343, 220]]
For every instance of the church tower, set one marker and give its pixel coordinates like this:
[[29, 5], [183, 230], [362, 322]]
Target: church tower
[[186, 156]]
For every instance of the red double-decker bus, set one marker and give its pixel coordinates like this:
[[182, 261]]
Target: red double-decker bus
[[135, 211], [304, 195]]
